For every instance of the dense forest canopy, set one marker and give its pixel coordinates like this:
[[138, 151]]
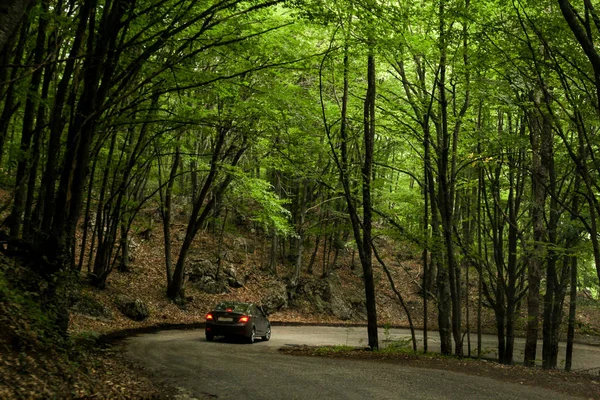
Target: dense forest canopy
[[467, 129]]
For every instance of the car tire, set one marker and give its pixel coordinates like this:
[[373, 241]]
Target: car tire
[[209, 337], [252, 336], [267, 334]]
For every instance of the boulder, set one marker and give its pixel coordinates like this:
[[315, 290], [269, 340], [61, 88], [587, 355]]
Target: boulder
[[210, 285], [198, 269], [341, 309], [315, 291], [134, 309], [326, 297], [234, 279], [348, 307], [276, 297]]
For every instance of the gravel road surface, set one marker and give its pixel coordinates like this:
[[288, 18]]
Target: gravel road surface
[[234, 370]]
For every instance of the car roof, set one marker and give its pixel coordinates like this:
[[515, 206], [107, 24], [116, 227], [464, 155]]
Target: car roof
[[235, 305]]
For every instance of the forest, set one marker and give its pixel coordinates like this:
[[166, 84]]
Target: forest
[[469, 130]]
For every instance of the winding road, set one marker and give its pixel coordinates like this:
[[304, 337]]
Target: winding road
[[231, 370]]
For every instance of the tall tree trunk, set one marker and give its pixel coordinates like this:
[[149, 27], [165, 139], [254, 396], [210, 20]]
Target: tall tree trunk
[[300, 231], [25, 156], [572, 314], [87, 222], [124, 244], [57, 123], [41, 128], [166, 208], [361, 231], [367, 262], [573, 283], [428, 188], [447, 150], [9, 100], [539, 182]]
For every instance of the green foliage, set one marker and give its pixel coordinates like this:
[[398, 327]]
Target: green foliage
[[255, 198], [324, 350], [397, 346]]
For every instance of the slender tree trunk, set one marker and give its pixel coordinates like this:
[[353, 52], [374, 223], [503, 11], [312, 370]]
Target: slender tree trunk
[[57, 123], [300, 232], [363, 239], [87, 217], [101, 214], [573, 283], [25, 156], [41, 121], [446, 194], [273, 259], [480, 262], [273, 252], [572, 314], [367, 262], [313, 257], [166, 215], [9, 100], [428, 188], [539, 182], [124, 243]]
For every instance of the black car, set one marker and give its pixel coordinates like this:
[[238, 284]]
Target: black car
[[232, 318]]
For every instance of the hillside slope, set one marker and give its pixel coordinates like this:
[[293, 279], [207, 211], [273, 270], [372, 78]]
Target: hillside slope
[[243, 275]]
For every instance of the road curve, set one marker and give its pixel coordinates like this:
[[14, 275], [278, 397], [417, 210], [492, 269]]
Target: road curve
[[584, 356], [232, 370]]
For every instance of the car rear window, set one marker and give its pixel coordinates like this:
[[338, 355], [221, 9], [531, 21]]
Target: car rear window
[[234, 307]]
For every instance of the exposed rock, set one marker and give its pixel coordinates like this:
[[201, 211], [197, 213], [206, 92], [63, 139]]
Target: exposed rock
[[276, 297], [316, 291], [205, 275], [352, 308], [240, 244], [87, 305], [134, 309], [341, 309], [233, 278], [198, 269], [210, 285], [232, 256], [325, 296]]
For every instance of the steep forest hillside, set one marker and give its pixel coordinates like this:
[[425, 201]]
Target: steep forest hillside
[[244, 275]]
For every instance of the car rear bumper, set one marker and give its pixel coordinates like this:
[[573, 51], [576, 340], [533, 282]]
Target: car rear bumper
[[229, 329]]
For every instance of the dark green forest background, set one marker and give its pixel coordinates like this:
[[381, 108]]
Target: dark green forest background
[[470, 130]]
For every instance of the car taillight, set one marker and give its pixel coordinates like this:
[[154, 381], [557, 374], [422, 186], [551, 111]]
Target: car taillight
[[209, 317], [243, 318]]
